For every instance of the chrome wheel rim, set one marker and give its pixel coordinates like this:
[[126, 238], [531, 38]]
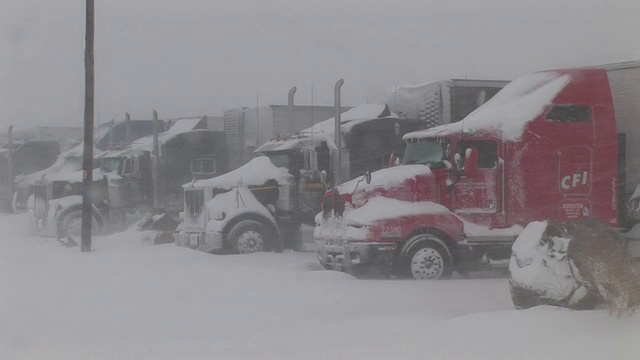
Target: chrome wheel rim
[[427, 263], [250, 241]]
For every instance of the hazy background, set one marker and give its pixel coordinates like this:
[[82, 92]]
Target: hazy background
[[197, 57]]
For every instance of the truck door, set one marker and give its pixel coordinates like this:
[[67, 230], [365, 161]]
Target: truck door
[[480, 197], [575, 182]]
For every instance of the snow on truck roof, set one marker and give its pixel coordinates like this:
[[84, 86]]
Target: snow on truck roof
[[509, 111], [324, 130], [256, 172], [146, 143]]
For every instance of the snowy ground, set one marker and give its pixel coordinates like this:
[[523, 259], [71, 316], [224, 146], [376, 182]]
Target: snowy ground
[[131, 300]]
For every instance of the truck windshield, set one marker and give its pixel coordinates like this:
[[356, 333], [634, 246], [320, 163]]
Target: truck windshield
[[279, 159], [111, 164], [426, 151]]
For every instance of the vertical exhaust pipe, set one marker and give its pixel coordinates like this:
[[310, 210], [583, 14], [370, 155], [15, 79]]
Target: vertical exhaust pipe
[[338, 134], [156, 163], [292, 92], [127, 128]]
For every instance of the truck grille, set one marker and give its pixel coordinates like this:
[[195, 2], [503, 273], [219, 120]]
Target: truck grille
[[194, 201], [334, 202]]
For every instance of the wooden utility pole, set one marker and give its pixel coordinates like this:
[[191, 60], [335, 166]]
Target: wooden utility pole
[[10, 170], [87, 157], [156, 164]]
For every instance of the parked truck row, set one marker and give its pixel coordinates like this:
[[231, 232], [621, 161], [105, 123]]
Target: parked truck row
[[135, 176], [260, 205]]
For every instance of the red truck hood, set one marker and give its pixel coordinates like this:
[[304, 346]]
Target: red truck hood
[[403, 182]]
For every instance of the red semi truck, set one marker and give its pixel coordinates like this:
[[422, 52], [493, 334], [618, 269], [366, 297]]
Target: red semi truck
[[561, 144]]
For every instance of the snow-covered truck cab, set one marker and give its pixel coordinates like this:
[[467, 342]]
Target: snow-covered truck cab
[[129, 182], [245, 210], [545, 147], [57, 198]]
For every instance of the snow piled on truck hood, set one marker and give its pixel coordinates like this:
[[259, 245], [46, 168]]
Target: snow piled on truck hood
[[380, 208], [510, 110], [256, 172], [384, 178]]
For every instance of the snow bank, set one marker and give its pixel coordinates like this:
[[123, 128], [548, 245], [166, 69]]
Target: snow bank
[[256, 172], [542, 267], [574, 264], [510, 110], [129, 300]]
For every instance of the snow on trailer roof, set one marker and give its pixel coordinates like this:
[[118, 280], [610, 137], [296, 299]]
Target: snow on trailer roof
[[256, 172], [146, 143], [509, 111], [77, 176], [324, 131], [295, 142]]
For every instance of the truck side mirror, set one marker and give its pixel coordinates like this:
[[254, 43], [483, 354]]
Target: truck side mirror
[[471, 162], [367, 177]]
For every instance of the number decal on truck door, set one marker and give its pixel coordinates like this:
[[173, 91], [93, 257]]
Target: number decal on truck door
[[391, 232]]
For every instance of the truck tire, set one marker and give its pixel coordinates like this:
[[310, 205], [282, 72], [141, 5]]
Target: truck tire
[[248, 236], [428, 259], [71, 224]]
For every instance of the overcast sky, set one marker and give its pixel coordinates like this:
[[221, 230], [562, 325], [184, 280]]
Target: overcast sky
[[199, 57]]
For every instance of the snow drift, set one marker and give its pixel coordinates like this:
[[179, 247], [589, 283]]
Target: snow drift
[[579, 265]]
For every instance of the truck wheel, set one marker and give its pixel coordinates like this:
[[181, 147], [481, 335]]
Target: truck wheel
[[71, 224], [248, 236], [428, 260]]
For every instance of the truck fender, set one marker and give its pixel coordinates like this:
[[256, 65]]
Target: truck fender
[[268, 223], [413, 239], [95, 212]]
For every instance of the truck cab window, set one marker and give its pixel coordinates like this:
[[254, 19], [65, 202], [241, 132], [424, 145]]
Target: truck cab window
[[112, 164], [280, 159], [203, 166], [569, 113], [430, 152], [487, 152]]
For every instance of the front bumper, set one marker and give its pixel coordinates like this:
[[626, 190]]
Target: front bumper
[[353, 257], [206, 242]]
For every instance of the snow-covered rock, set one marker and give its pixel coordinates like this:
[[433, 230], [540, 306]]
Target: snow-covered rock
[[578, 265]]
